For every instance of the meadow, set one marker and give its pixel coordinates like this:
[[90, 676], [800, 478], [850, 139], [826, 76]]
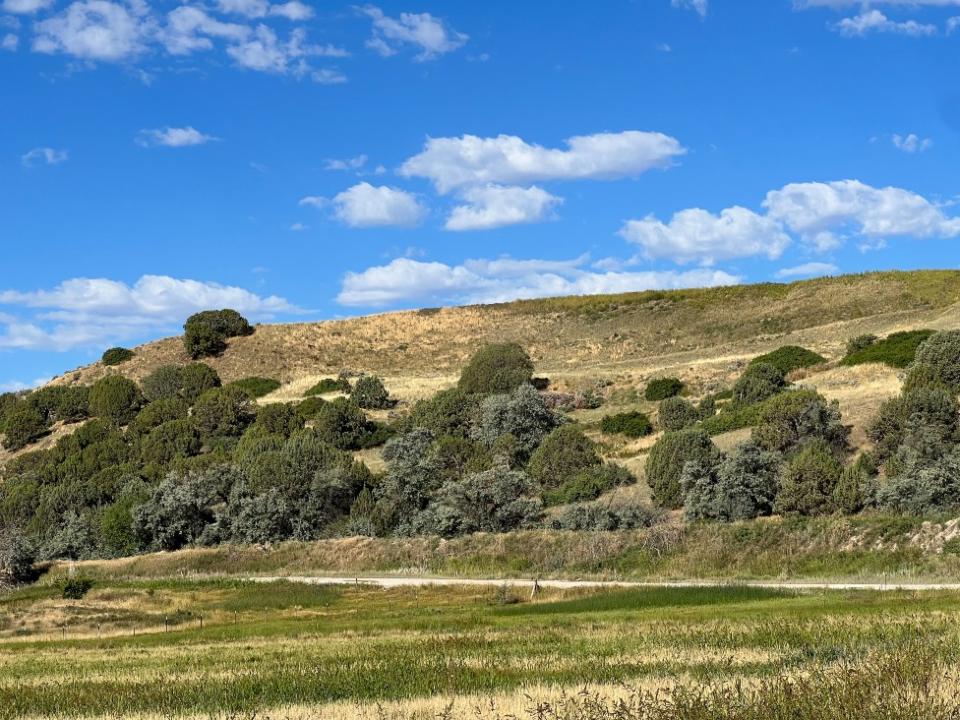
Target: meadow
[[229, 648]]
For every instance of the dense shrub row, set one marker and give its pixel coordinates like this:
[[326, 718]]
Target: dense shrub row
[[897, 350]]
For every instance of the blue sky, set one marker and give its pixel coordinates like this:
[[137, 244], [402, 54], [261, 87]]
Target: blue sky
[[300, 160]]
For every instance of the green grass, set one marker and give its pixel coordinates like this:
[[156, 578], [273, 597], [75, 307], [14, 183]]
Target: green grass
[[896, 350], [365, 645]]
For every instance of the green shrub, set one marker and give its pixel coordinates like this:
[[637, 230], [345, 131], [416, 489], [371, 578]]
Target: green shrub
[[897, 350], [758, 382], [496, 369], [565, 452], [309, 408], [941, 351], [741, 487], [923, 488], [523, 415], [792, 418], [329, 385], [597, 518], [206, 333], [342, 424], [633, 424], [116, 355], [157, 413], [25, 425], [184, 381], [176, 438], [857, 486], [589, 484], [278, 419], [223, 412], [666, 461], [922, 376], [675, 413], [17, 556], [115, 398], [370, 394], [789, 358], [860, 342], [449, 412], [662, 388], [734, 417], [256, 387], [75, 588], [62, 402], [809, 481]]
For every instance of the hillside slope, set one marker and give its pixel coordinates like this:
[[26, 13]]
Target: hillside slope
[[641, 332]]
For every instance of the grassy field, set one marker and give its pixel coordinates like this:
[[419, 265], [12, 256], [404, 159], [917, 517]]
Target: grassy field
[[295, 651], [868, 547]]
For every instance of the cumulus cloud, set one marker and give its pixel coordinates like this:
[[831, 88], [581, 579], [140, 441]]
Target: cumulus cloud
[[43, 156], [189, 29], [173, 137], [696, 235], [25, 7], [911, 143], [453, 162], [700, 6], [96, 30], [493, 206], [10, 42], [850, 206], [293, 10], [365, 205], [809, 269], [91, 312], [406, 281], [874, 21], [423, 31]]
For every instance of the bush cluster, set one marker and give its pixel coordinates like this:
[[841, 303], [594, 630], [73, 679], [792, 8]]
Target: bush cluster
[[116, 355], [897, 350], [789, 358], [256, 387], [633, 424], [662, 388], [496, 369], [328, 385], [206, 333]]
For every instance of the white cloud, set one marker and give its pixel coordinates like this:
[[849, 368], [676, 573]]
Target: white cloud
[[91, 312], [870, 21], [852, 206], [493, 206], [838, 4], [365, 205], [421, 30], [700, 6], [264, 51], [912, 143], [952, 25], [10, 42], [96, 30], [43, 155], [249, 8], [25, 7], [453, 162], [189, 29], [406, 281], [293, 10], [328, 76], [808, 270], [354, 163], [17, 385], [173, 137], [695, 235]]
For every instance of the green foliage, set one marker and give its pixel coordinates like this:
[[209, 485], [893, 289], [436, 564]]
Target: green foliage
[[343, 425], [922, 376], [117, 537], [597, 518], [667, 459], [860, 342], [17, 556], [308, 409], [792, 418], [63, 403], [941, 351], [184, 381], [115, 398], [256, 387], [206, 333], [370, 394], [589, 484], [449, 412], [75, 588], [662, 388], [740, 487], [897, 350], [522, 415], [116, 355], [564, 453], [633, 424], [329, 385], [223, 412], [496, 369], [789, 358], [857, 487], [732, 417], [809, 481], [23, 426], [157, 413], [278, 419], [173, 439], [675, 413], [758, 382], [925, 487]]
